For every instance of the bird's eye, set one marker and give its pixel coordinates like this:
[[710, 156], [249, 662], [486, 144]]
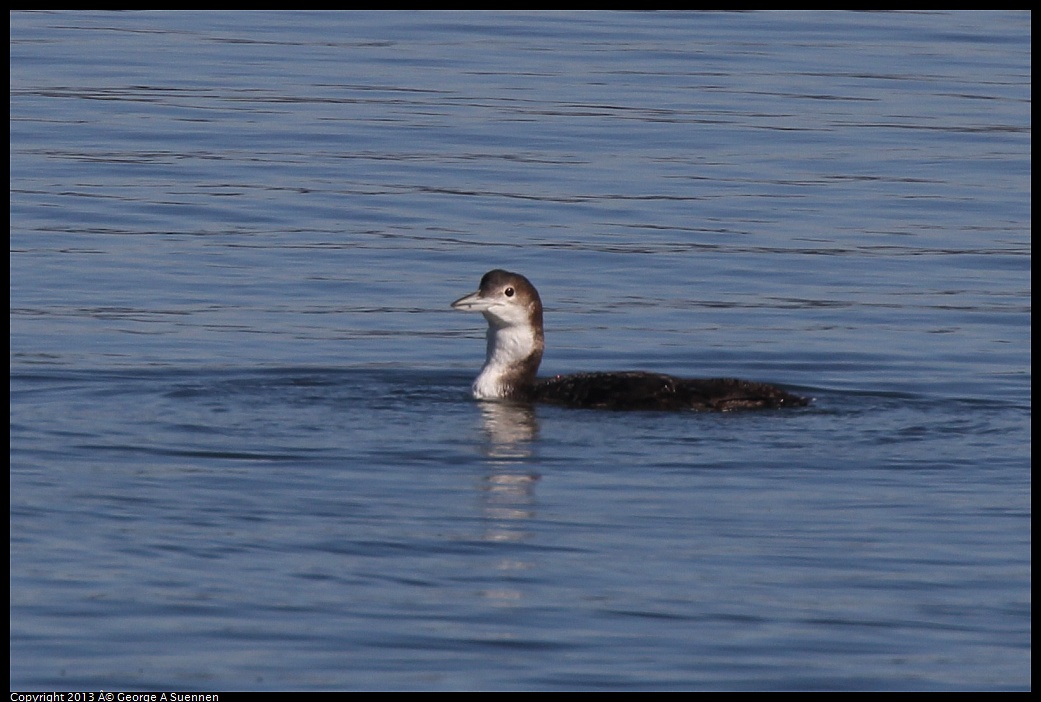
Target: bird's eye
[[508, 292]]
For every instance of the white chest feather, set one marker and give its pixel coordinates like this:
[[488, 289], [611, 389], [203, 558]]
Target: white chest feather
[[508, 348]]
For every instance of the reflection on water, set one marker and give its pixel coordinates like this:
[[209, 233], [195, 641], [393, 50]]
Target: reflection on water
[[508, 491], [508, 506], [510, 428]]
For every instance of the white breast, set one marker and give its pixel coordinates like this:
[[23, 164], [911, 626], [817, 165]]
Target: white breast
[[507, 348]]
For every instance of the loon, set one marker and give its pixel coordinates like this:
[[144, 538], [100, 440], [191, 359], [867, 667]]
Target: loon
[[512, 306]]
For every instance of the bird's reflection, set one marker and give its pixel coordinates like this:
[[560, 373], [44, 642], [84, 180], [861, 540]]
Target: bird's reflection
[[508, 489], [510, 428]]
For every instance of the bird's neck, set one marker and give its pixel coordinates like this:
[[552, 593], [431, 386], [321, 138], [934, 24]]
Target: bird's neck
[[512, 360]]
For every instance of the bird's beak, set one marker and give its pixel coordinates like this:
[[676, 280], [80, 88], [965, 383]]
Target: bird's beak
[[472, 303]]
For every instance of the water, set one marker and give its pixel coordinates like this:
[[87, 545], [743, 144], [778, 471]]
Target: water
[[242, 451]]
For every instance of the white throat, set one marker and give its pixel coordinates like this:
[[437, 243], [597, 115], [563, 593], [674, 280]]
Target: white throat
[[509, 348]]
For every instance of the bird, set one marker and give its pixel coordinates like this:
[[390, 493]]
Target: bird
[[516, 341]]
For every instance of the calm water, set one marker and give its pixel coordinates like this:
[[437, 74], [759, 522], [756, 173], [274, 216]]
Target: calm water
[[242, 450]]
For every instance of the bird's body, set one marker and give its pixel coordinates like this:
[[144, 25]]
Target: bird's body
[[516, 341]]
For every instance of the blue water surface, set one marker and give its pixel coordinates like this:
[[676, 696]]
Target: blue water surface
[[243, 452]]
